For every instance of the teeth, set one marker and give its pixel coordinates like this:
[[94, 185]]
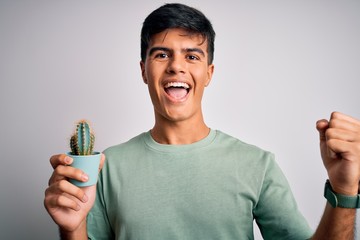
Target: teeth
[[177, 84]]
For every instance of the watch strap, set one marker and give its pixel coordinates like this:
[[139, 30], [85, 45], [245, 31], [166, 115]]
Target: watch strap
[[340, 200]]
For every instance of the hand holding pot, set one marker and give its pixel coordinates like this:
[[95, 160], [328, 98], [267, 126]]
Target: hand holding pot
[[66, 203]]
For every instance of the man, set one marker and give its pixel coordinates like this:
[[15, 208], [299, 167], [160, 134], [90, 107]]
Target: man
[[183, 180]]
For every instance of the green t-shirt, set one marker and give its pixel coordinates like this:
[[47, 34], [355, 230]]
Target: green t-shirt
[[211, 189]]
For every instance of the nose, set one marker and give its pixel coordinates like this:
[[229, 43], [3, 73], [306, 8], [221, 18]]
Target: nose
[[177, 64]]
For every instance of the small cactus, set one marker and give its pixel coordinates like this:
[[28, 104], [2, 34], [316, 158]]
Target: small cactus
[[82, 141]]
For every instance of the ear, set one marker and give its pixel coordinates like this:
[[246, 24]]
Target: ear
[[142, 66], [210, 72]]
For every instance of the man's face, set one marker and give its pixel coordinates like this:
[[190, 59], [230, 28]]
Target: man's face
[[176, 70]]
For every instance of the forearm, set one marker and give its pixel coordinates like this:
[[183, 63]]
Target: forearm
[[336, 223], [79, 234]]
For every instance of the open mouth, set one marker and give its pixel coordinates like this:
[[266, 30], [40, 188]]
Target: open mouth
[[177, 90]]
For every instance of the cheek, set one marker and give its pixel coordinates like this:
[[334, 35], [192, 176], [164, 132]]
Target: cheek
[[153, 84], [200, 76], [152, 72]]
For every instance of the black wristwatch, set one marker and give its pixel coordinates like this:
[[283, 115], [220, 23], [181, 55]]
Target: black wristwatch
[[340, 200]]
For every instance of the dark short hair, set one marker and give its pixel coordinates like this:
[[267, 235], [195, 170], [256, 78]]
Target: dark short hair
[[175, 15]]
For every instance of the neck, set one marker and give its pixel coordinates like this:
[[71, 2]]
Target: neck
[[178, 133]]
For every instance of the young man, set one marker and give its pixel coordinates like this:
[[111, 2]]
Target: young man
[[183, 180]]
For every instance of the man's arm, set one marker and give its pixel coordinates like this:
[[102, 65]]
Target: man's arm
[[336, 223], [340, 151]]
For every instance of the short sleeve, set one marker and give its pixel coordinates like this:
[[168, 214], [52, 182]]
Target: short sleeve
[[98, 225], [276, 212]]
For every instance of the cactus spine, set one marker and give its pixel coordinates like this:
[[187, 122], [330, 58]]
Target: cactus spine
[[82, 141]]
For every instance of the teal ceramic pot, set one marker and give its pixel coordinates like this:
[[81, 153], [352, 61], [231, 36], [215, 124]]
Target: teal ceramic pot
[[88, 164]]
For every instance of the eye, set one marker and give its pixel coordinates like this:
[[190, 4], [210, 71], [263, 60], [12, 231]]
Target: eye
[[193, 57], [161, 55]]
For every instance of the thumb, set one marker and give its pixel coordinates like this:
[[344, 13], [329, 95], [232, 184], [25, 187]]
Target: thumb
[[321, 126]]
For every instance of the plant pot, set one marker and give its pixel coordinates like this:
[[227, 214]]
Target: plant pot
[[88, 164]]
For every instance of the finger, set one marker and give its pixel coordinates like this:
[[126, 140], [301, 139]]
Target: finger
[[69, 172], [340, 120], [55, 178], [60, 159], [344, 124], [339, 146], [342, 116], [331, 153], [62, 201], [68, 188], [341, 134]]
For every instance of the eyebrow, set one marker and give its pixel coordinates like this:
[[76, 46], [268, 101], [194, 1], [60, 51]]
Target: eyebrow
[[187, 50], [154, 49], [198, 50]]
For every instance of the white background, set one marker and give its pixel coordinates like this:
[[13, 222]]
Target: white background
[[279, 67]]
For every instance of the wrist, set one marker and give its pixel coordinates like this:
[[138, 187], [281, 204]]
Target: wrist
[[350, 190], [79, 234]]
